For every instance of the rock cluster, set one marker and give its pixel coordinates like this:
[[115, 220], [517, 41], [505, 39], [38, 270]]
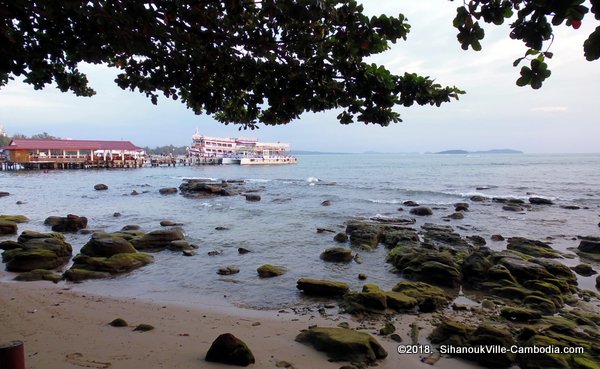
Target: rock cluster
[[200, 188], [35, 250], [342, 344]]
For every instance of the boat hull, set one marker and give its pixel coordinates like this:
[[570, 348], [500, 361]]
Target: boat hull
[[268, 161]]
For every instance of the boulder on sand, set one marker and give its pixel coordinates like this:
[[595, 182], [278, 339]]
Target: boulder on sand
[[228, 349], [342, 344]]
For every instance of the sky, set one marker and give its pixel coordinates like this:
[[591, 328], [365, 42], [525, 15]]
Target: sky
[[561, 117]]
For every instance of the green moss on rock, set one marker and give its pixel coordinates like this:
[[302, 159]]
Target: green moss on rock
[[429, 298], [268, 271], [118, 263], [14, 218], [342, 344], [39, 275], [319, 287], [519, 314], [78, 275]]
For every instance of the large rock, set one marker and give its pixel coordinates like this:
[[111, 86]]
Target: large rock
[[431, 266], [118, 263], [533, 248], [198, 188], [319, 287], [268, 271], [444, 237], [78, 275], [337, 254], [585, 270], [228, 349], [26, 236], [394, 237], [100, 187], [159, 239], [37, 253], [524, 270], [7, 227], [371, 300], [342, 344], [364, 234], [421, 211], [429, 298], [39, 275], [105, 245], [589, 245], [70, 223]]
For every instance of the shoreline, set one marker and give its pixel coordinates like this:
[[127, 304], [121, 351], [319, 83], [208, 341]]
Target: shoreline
[[62, 328]]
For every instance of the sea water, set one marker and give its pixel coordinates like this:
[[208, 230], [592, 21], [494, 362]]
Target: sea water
[[281, 229]]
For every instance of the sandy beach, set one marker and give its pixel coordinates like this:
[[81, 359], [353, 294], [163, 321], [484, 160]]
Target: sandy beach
[[61, 328]]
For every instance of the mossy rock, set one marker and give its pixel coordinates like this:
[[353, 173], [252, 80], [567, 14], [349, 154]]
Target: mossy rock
[[543, 361], [268, 271], [8, 227], [39, 275], [364, 302], [544, 305], [363, 234], [128, 234], [337, 254], [14, 218], [584, 362], [524, 271], [546, 288], [387, 329], [78, 275], [488, 335], [584, 270], [29, 235], [429, 298], [342, 344], [118, 263], [228, 349], [319, 287], [400, 301], [159, 239], [28, 260], [106, 246], [448, 330], [406, 237], [557, 269], [340, 237], [10, 245], [519, 314], [434, 272], [533, 248]]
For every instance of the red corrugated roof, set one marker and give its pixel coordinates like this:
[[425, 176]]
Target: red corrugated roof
[[32, 144]]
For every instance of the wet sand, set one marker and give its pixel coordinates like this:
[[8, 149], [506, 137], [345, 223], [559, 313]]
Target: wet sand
[[69, 329]]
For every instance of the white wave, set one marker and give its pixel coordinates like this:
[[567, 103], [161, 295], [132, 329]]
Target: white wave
[[312, 180], [376, 201], [258, 180]]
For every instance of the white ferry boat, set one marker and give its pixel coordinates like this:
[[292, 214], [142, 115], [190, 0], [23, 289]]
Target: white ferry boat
[[243, 151]]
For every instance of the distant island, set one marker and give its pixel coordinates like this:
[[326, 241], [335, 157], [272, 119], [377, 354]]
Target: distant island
[[495, 151]]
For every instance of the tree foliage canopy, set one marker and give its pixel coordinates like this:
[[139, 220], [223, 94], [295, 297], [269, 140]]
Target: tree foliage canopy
[[532, 23], [245, 61], [250, 61]]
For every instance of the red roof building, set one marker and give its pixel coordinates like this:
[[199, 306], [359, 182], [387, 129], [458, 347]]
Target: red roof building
[[69, 152]]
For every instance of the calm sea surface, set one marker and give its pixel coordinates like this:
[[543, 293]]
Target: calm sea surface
[[281, 229]]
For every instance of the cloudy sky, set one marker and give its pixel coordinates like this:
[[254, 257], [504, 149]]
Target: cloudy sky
[[562, 117]]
